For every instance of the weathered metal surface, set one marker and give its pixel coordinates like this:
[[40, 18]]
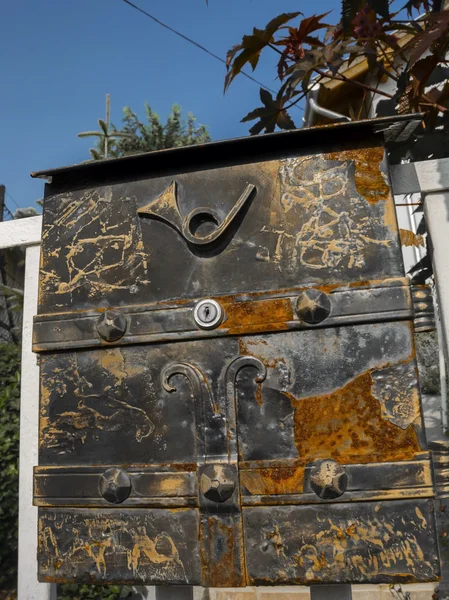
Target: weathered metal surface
[[383, 542], [228, 373], [440, 456], [356, 302], [135, 546], [423, 307]]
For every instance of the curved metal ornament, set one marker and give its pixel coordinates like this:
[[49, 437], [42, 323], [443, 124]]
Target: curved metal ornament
[[166, 208], [202, 397], [230, 377]]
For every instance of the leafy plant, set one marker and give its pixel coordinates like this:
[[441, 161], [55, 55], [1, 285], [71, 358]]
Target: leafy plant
[[138, 136], [71, 591], [9, 462], [310, 50]]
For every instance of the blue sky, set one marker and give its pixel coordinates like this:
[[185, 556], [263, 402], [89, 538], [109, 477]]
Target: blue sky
[[59, 58]]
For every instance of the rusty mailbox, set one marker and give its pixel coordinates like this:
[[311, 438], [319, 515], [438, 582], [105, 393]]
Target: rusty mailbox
[[229, 391]]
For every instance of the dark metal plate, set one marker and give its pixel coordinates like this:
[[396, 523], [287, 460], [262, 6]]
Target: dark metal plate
[[380, 542], [114, 546]]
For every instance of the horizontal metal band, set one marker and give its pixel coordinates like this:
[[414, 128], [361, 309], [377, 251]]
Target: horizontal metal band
[[357, 302], [292, 484], [361, 496], [81, 487], [188, 502], [261, 484]]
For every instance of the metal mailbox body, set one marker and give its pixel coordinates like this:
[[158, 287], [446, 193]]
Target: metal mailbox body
[[271, 435]]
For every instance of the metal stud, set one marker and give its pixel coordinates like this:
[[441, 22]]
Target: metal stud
[[115, 485], [313, 306], [328, 479], [217, 483], [111, 326], [208, 314]]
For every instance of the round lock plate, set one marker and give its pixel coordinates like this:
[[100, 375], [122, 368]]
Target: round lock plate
[[208, 314]]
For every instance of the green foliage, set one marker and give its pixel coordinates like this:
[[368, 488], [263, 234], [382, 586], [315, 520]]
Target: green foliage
[[139, 136], [9, 462], [71, 591]]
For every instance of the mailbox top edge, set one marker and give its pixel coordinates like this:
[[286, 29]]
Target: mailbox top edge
[[236, 150]]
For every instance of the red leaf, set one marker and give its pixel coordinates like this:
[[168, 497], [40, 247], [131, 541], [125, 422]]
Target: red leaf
[[437, 27], [231, 53], [252, 45]]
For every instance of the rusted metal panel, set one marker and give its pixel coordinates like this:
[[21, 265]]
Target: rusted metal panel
[[228, 369], [381, 542], [133, 546]]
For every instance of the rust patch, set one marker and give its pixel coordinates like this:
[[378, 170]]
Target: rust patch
[[289, 480], [348, 425], [265, 315], [369, 179], [225, 554]]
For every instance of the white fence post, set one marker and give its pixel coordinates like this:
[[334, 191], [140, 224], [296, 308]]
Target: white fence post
[[27, 232], [28, 586]]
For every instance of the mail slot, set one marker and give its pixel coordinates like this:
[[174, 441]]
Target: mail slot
[[229, 390]]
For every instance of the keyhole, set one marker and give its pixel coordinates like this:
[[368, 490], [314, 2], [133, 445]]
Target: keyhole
[[208, 314]]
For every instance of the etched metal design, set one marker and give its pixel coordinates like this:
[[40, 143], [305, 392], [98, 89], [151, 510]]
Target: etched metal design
[[330, 235], [395, 388]]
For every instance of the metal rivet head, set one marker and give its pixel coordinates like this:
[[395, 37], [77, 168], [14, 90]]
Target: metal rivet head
[[217, 483], [111, 326], [328, 479], [208, 314], [115, 485], [313, 306]]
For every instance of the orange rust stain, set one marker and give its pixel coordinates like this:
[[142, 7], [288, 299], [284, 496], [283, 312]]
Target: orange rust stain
[[273, 314], [354, 284], [258, 395], [328, 287], [226, 568], [281, 480], [369, 180], [347, 425]]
